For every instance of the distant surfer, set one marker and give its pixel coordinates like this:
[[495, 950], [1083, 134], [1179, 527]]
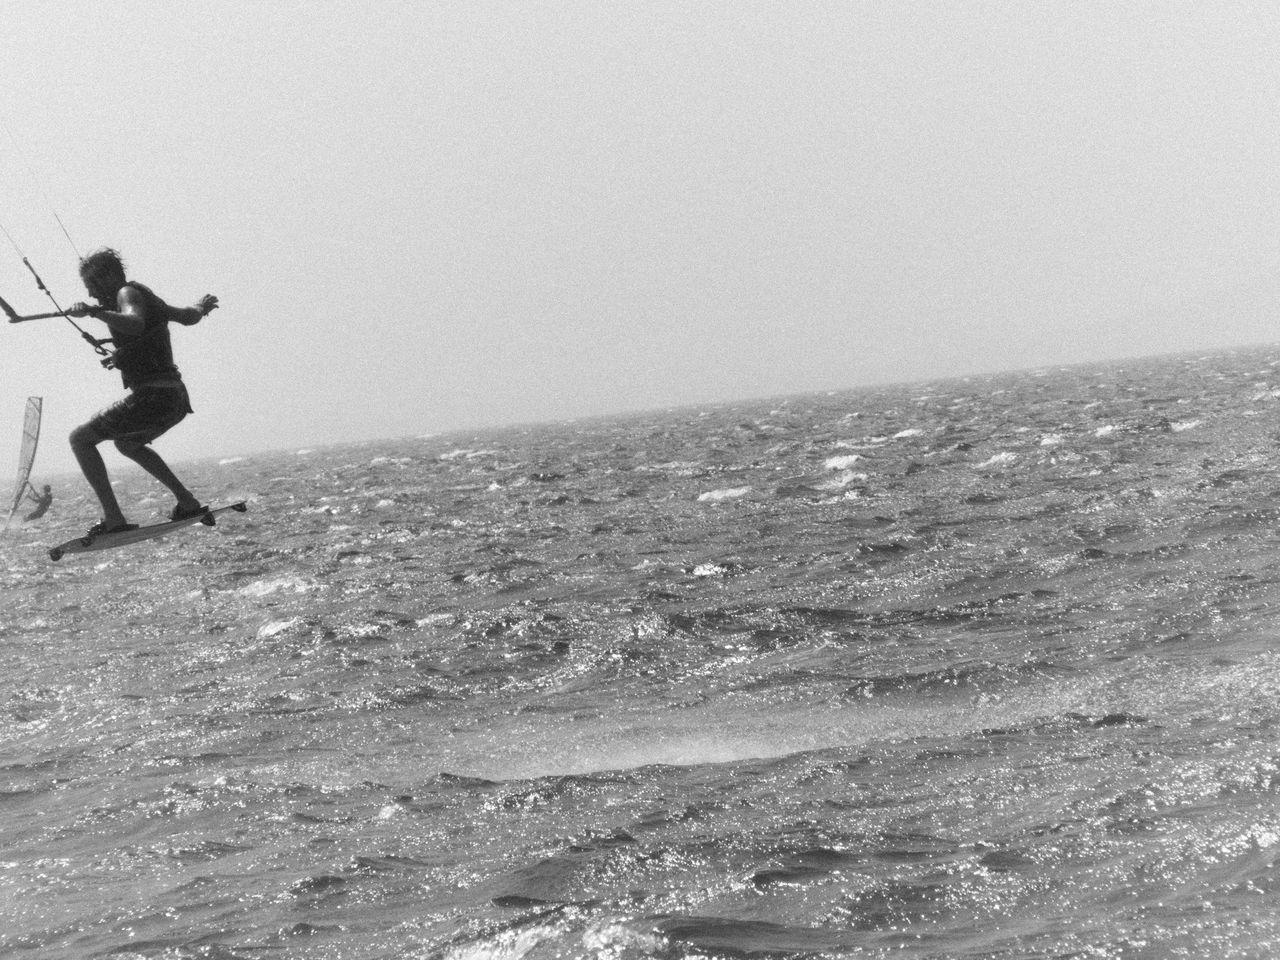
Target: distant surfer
[[43, 500], [157, 401]]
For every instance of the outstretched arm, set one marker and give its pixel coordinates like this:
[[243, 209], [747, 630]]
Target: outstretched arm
[[188, 316], [131, 318]]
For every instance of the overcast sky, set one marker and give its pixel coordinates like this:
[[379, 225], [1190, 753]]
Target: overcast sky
[[421, 216]]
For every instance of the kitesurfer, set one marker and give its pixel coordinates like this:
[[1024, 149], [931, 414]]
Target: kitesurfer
[[43, 500], [157, 401]]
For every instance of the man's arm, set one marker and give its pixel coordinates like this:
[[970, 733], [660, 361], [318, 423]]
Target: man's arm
[[130, 319], [188, 316]]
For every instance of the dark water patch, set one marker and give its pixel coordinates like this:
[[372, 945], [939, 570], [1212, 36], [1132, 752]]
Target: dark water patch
[[559, 790], [659, 820], [913, 848], [21, 794], [1009, 861], [883, 551], [1159, 553], [287, 705], [985, 498], [1117, 720], [303, 930], [205, 851], [561, 879], [960, 613], [1227, 478], [387, 864], [454, 781], [872, 522], [804, 866], [896, 904], [754, 938], [321, 887], [416, 695], [1065, 724], [838, 618], [982, 676], [518, 901]]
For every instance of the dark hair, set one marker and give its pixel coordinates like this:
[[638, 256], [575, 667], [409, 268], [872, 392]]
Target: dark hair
[[102, 257]]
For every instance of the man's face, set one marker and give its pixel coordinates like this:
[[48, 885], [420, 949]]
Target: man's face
[[104, 282]]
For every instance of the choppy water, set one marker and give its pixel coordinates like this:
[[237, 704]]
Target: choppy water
[[968, 669]]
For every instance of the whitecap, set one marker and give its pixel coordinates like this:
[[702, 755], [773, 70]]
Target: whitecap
[[903, 434], [727, 494], [263, 588], [1184, 425], [432, 618], [227, 460], [841, 463], [274, 627], [999, 460], [1051, 440], [709, 570], [840, 482], [613, 938], [1106, 431]]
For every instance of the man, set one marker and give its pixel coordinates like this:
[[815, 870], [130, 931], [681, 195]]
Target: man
[[139, 323], [42, 501]]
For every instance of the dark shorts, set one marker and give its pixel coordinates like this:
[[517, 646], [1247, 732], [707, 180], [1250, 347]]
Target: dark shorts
[[144, 414]]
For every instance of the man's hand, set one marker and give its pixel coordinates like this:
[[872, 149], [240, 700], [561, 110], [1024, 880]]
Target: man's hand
[[79, 309], [207, 304]]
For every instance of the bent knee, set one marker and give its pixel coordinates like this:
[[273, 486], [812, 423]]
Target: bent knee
[[85, 436]]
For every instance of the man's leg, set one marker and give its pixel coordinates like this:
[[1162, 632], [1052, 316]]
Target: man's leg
[[84, 444], [150, 461]]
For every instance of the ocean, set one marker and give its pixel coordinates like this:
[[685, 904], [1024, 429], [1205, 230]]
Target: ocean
[[977, 668]]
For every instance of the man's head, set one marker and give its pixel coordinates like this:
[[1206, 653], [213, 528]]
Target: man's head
[[47, 488], [103, 274]]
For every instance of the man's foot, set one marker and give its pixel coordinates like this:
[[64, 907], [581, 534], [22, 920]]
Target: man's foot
[[114, 526], [186, 513]]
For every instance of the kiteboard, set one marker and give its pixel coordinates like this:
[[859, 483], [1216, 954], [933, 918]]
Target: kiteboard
[[108, 541]]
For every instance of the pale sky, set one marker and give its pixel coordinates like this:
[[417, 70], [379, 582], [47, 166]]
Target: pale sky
[[424, 216]]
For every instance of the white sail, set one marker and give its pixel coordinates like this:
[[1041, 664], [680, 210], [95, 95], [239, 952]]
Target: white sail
[[27, 456]]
